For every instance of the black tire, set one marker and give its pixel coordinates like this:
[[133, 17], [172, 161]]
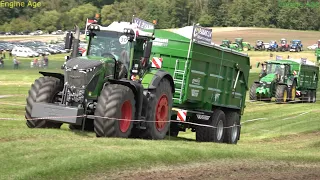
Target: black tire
[[252, 93], [174, 129], [161, 98], [232, 128], [44, 89], [281, 94], [113, 103], [313, 96], [87, 127], [293, 90], [215, 133]]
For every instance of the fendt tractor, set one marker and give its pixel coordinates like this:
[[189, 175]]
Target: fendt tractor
[[317, 52], [131, 84], [286, 80]]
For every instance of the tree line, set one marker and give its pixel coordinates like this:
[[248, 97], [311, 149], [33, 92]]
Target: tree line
[[64, 14]]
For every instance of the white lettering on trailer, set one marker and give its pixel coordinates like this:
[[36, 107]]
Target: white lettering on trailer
[[196, 81], [216, 97], [203, 117], [194, 92], [160, 42]]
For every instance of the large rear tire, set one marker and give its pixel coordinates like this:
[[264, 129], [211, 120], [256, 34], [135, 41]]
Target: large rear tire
[[252, 93], [232, 129], [281, 94], [159, 111], [114, 112], [215, 133], [45, 89]]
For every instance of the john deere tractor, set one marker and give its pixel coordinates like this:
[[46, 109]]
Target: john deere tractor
[[285, 80], [102, 90], [317, 52], [228, 44]]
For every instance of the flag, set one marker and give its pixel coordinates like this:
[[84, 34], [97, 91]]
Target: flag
[[278, 57]]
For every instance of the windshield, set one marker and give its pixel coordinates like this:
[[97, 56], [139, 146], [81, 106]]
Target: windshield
[[107, 43], [295, 42], [275, 69]]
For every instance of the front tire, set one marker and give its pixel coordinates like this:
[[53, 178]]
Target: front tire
[[281, 94], [159, 111], [252, 93], [114, 112], [45, 89]]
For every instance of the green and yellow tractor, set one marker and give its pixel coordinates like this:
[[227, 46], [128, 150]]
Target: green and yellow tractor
[[286, 80]]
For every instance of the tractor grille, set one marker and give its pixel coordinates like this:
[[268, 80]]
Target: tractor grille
[[79, 72]]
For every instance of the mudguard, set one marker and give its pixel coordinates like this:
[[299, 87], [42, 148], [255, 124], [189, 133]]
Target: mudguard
[[153, 78], [56, 75], [137, 90]]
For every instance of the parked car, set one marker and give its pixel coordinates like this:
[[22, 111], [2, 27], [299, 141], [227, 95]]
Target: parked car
[[313, 47], [296, 46], [24, 52]]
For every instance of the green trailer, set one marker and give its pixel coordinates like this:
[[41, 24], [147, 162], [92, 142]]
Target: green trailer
[[286, 80], [210, 84], [131, 82]]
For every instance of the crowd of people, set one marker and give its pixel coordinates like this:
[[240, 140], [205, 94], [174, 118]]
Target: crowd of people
[[42, 62]]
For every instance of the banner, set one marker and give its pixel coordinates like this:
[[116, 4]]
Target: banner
[[278, 57], [142, 23], [201, 34]]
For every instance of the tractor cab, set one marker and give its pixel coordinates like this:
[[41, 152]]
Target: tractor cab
[[128, 46], [283, 41], [239, 41], [278, 70], [226, 43]]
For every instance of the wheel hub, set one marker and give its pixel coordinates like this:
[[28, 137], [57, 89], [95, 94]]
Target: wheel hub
[[126, 116], [162, 112]]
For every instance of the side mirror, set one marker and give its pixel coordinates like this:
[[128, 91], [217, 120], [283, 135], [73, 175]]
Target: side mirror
[[68, 41], [147, 50], [258, 64]]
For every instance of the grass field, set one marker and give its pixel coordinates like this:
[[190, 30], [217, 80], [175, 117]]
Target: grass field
[[278, 141]]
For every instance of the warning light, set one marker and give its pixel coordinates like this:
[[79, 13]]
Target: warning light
[[154, 22], [97, 16]]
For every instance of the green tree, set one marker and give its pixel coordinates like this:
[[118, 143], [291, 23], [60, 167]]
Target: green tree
[[80, 14]]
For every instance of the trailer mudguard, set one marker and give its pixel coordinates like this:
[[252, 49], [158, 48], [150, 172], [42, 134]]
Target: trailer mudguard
[[153, 78], [137, 90], [56, 75]]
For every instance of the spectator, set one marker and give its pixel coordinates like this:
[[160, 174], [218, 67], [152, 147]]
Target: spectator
[[1, 62], [35, 62], [15, 63], [10, 54], [4, 54], [46, 61]]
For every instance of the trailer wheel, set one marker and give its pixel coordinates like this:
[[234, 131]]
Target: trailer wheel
[[114, 112], [159, 111], [232, 130], [44, 89], [282, 94], [313, 98], [253, 94], [215, 133]]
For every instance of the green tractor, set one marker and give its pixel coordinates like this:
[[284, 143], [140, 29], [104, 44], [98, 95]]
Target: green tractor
[[317, 52], [135, 83], [285, 80], [228, 44]]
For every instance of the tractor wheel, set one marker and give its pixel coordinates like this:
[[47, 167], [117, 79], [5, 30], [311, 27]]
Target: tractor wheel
[[215, 133], [232, 129], [282, 94], [314, 96], [293, 91], [45, 89], [114, 112], [253, 94], [87, 127], [159, 111]]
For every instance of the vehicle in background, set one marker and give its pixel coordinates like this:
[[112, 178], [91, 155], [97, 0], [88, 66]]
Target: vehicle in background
[[24, 52], [296, 46], [313, 47], [273, 46]]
